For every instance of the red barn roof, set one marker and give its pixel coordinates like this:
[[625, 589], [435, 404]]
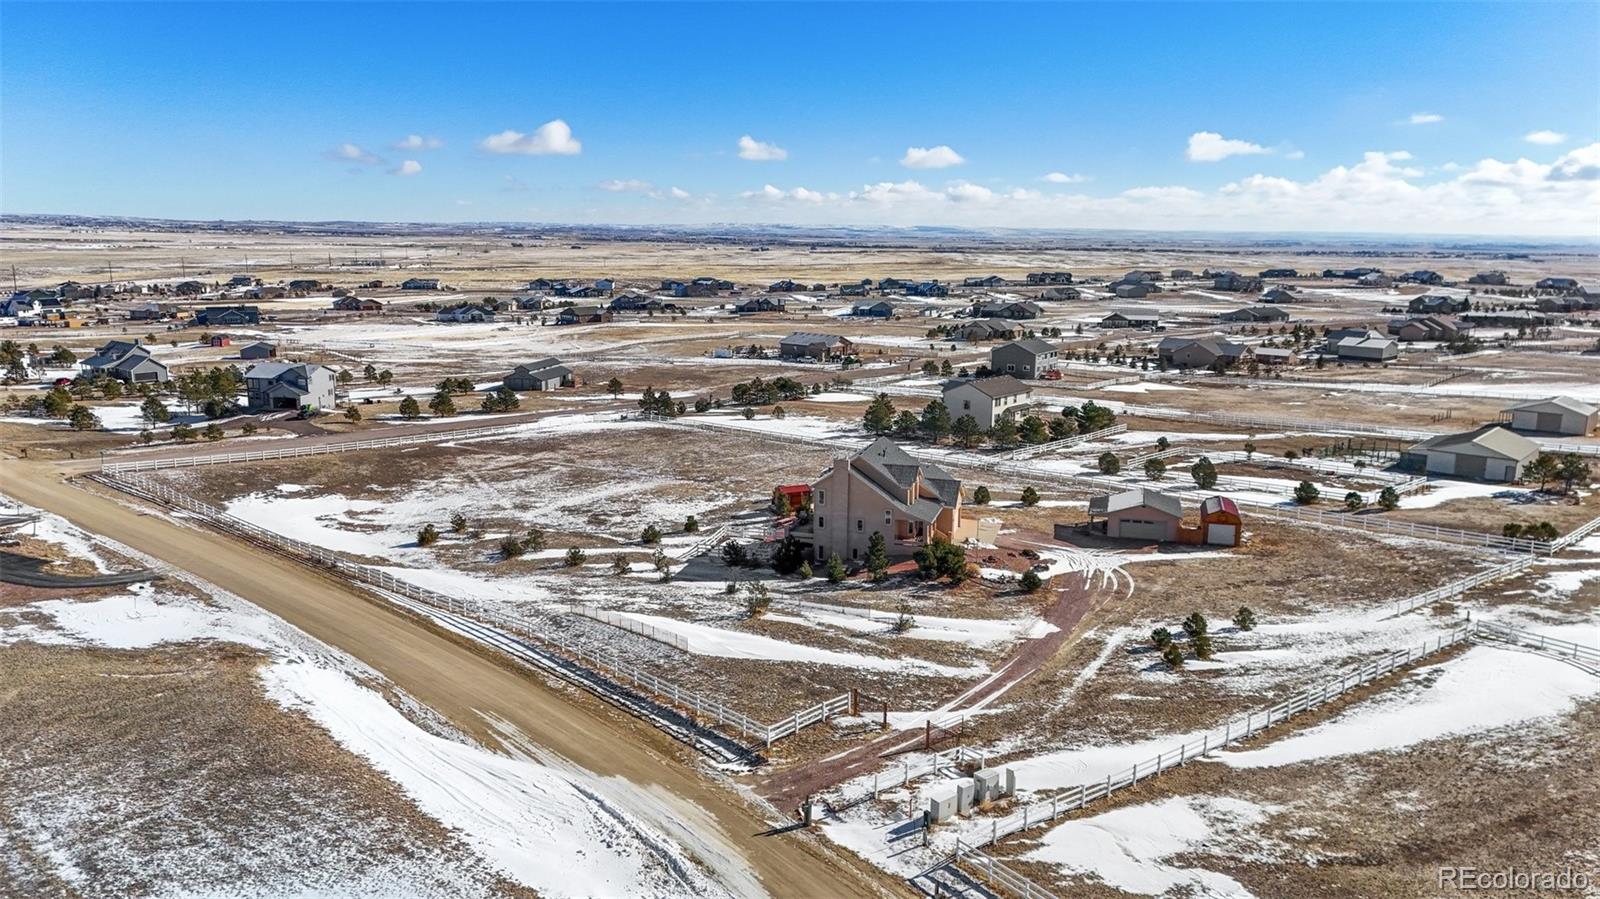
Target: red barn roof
[[1217, 504]]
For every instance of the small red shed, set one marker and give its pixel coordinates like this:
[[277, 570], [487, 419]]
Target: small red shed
[[1220, 521], [796, 494]]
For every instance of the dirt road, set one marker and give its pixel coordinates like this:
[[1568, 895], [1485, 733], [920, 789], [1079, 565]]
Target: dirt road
[[481, 695], [1074, 598]]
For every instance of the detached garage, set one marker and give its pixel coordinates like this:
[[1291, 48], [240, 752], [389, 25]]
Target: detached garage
[[1220, 523], [1490, 453], [1557, 415], [1137, 515]]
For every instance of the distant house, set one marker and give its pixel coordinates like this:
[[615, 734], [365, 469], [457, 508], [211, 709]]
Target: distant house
[[1557, 284], [928, 289], [1267, 355], [1141, 276], [1422, 277], [466, 313], [1279, 295], [761, 304], [1059, 293], [1556, 415], [987, 281], [220, 340], [1365, 349], [267, 292], [873, 308], [1137, 514], [228, 316], [1256, 314], [276, 386], [259, 350], [583, 315], [545, 285], [1132, 291], [981, 329], [1130, 318], [1490, 453], [583, 292], [605, 285], [809, 345], [1004, 309], [188, 288], [785, 286], [1279, 273], [420, 284], [1202, 352], [886, 285], [883, 490], [1235, 282], [1438, 304], [357, 304], [986, 399], [1349, 274], [635, 302], [150, 312], [1026, 359], [241, 281], [1494, 278], [1428, 327], [1179, 274], [545, 374], [1376, 280], [852, 290], [304, 284], [127, 361], [1050, 278]]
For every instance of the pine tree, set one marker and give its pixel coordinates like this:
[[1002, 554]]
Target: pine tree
[[614, 387], [935, 421], [1161, 638], [1354, 501], [1244, 619], [1306, 493], [352, 414], [409, 409], [836, 572], [428, 536], [1388, 499], [1204, 473], [1030, 496], [1109, 463], [1195, 624], [441, 405], [458, 522], [1173, 656], [1030, 581], [966, 432], [879, 417], [651, 535], [878, 556], [575, 557], [980, 496]]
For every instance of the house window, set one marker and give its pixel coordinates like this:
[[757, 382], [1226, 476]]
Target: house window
[[886, 520], [1010, 367], [859, 524], [822, 522], [966, 404], [822, 497]]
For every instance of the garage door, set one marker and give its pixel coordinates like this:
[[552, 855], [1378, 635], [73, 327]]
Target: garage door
[[1550, 422], [1471, 467], [1221, 534], [1143, 530]]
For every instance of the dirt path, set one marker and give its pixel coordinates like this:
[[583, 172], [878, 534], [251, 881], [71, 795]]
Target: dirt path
[[480, 694], [1074, 598]]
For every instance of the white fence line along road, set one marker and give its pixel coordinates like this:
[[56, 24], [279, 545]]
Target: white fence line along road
[[579, 665], [1044, 811], [939, 761], [442, 435], [1457, 588], [1584, 657], [631, 625], [997, 874]]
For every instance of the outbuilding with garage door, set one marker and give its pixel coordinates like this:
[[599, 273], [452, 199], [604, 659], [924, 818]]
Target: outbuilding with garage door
[[1137, 514]]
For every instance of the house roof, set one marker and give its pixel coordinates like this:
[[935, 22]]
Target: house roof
[[1489, 440], [1137, 498], [993, 388], [810, 338], [1564, 403], [1135, 314], [1216, 504], [1030, 344], [895, 465]]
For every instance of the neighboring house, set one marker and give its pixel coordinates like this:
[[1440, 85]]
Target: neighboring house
[[1494, 278], [21, 306], [127, 361], [808, 345], [1438, 304], [241, 281], [1137, 514], [1060, 293], [1557, 284], [785, 286], [1337, 334], [1141, 276], [1050, 278], [259, 350], [1429, 327], [885, 285], [928, 289], [1490, 453], [188, 288], [873, 309], [1026, 359], [1556, 415], [1348, 273], [1270, 355], [1179, 274], [1279, 273], [852, 290], [636, 302], [1132, 291], [467, 313], [883, 489], [1366, 349], [1012, 310], [986, 281], [1201, 352], [1130, 318], [357, 304], [761, 304], [1422, 277], [986, 399], [304, 284], [583, 315], [1279, 295], [150, 312], [545, 374], [267, 292], [420, 284], [1233, 281], [224, 316], [986, 329], [1255, 314], [605, 285], [276, 386], [1375, 279]]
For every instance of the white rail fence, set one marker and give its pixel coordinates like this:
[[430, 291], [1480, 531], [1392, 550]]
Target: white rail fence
[[1457, 588], [906, 773], [997, 874], [1585, 657], [704, 708], [1044, 811], [1167, 453], [1576, 534], [632, 625], [1028, 452], [703, 545], [291, 452], [1581, 449]]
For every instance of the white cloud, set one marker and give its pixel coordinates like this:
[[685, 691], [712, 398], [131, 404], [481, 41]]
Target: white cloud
[[1545, 137], [1295, 154], [1162, 194], [760, 151], [1582, 164], [408, 167], [967, 192], [940, 157], [1209, 146], [774, 194], [808, 196], [629, 185], [553, 138], [348, 152], [1063, 178], [418, 142], [1424, 118], [678, 193]]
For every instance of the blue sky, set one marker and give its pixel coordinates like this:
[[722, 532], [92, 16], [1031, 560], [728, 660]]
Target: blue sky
[[1450, 118]]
